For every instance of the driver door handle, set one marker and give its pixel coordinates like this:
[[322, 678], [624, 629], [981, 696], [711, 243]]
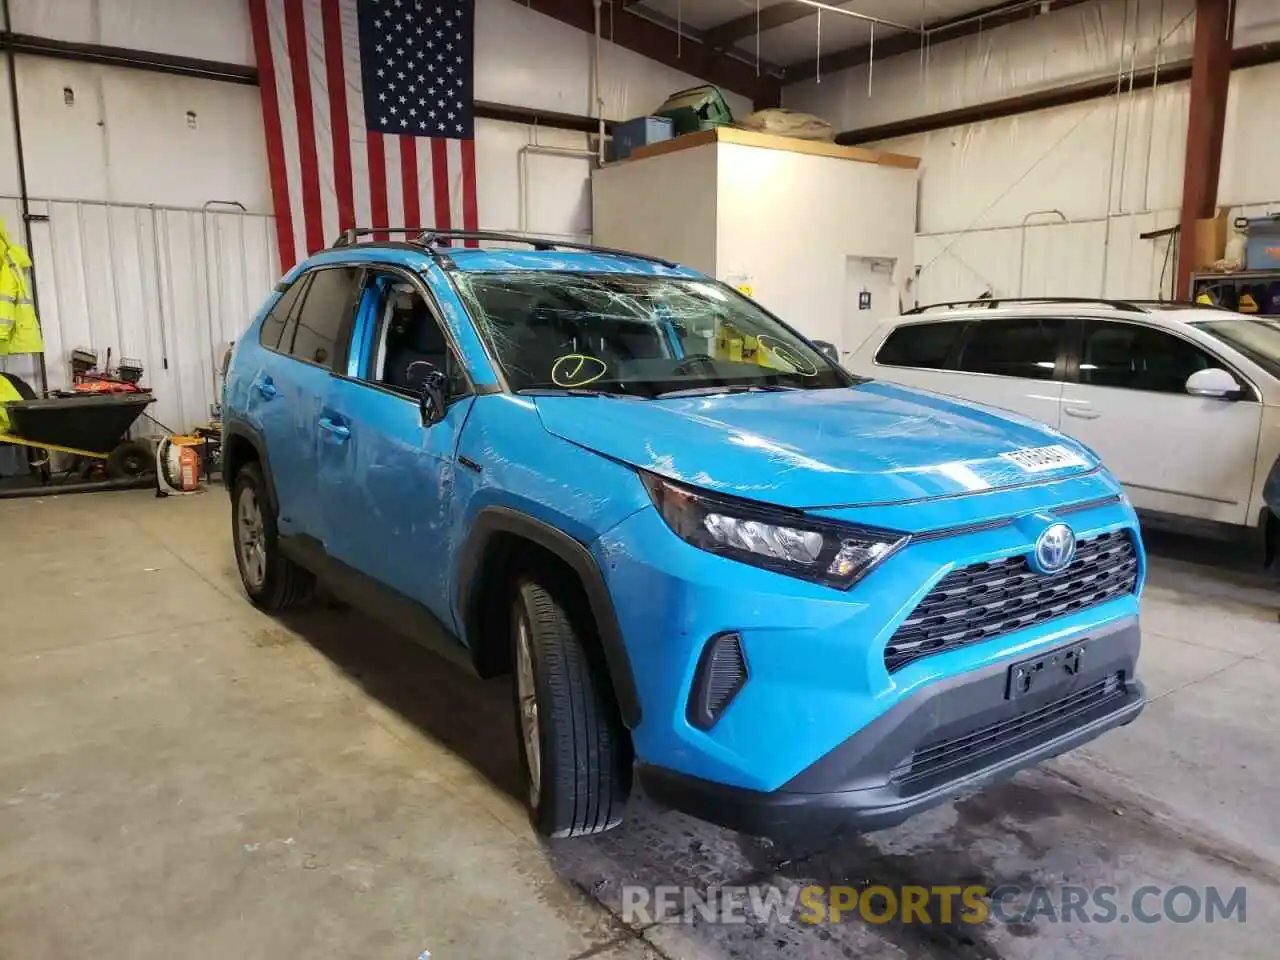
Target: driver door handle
[[1082, 413], [340, 431]]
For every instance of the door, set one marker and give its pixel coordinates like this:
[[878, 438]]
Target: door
[[1174, 453], [267, 403], [1014, 363], [291, 384], [869, 297], [386, 477]]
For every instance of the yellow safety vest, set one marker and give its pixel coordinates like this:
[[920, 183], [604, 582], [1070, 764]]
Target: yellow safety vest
[[19, 327]]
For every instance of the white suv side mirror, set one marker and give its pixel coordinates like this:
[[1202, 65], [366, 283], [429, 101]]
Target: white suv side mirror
[[1214, 384]]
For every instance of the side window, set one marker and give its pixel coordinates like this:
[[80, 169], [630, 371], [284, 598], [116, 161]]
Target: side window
[[921, 345], [409, 342], [274, 322], [1024, 347], [316, 334], [1138, 358]]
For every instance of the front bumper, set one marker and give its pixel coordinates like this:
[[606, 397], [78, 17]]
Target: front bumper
[[815, 657], [949, 738]]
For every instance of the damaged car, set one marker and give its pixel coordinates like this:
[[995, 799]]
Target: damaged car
[[776, 594]]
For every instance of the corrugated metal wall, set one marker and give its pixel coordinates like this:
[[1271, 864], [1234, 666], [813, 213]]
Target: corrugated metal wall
[[994, 195], [169, 286]]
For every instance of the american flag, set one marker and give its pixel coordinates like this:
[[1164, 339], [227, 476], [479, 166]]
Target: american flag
[[369, 114]]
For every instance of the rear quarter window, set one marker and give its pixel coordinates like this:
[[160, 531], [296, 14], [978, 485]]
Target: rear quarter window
[[321, 329], [274, 323], [927, 345]]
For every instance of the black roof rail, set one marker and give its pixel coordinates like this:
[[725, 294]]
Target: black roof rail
[[443, 238], [1181, 305], [349, 236], [434, 240], [990, 303]]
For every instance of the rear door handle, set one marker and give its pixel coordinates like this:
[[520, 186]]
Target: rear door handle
[[340, 430], [1082, 413], [266, 388]]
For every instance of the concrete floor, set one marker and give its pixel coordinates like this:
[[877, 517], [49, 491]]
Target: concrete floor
[[181, 776]]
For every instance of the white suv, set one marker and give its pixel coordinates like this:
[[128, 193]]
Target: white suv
[[1181, 401]]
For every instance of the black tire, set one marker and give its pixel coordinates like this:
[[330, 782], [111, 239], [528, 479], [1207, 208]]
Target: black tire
[[129, 459], [585, 760], [282, 584]]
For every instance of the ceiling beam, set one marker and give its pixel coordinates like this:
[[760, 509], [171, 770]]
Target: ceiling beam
[[126, 57], [779, 15], [940, 31], [1242, 58], [641, 35]]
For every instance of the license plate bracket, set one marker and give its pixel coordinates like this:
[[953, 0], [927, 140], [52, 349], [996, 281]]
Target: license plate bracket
[[1057, 668]]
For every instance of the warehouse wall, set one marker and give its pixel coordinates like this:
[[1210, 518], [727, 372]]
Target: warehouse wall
[[522, 58], [1112, 167], [123, 162]]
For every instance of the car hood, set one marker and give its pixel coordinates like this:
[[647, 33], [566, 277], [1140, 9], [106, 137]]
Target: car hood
[[873, 443]]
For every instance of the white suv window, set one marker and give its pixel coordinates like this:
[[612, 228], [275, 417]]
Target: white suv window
[[1136, 357], [926, 345], [1025, 347]]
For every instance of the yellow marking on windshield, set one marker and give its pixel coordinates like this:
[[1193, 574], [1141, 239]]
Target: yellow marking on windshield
[[577, 370]]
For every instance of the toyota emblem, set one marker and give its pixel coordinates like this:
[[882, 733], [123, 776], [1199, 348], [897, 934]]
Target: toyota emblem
[[1055, 549]]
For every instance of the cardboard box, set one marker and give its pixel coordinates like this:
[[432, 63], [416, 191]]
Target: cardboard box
[[1210, 241]]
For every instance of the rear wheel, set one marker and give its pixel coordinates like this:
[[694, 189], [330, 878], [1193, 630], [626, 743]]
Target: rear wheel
[[272, 581], [573, 747], [130, 459]]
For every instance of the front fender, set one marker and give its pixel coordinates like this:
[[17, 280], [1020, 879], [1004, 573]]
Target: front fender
[[493, 521]]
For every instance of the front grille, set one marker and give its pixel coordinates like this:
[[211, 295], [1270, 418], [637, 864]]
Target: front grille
[[991, 599], [947, 759]]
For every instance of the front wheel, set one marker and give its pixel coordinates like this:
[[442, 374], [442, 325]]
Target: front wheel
[[272, 581], [573, 747]]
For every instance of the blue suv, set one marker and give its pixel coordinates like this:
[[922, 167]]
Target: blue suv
[[778, 595]]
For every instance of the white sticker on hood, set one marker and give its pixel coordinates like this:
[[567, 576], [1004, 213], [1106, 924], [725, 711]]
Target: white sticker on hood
[[1039, 459]]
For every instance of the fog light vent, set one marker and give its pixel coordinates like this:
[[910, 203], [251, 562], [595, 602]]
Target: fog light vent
[[721, 674]]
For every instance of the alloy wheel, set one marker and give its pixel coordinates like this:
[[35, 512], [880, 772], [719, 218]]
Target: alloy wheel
[[526, 692], [251, 540]]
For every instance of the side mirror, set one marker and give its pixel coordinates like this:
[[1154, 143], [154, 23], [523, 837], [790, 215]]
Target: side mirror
[[1213, 384], [431, 388], [829, 350]]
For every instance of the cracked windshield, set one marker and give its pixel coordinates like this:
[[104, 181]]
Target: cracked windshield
[[638, 336]]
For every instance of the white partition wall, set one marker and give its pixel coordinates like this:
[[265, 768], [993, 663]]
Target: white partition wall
[[824, 239]]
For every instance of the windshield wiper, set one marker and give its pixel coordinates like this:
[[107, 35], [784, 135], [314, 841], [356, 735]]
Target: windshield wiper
[[577, 392], [711, 391]]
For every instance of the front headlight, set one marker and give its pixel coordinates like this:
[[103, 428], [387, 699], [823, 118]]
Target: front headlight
[[775, 538]]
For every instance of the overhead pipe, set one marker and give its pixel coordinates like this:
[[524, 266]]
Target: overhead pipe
[[24, 195], [208, 284], [1022, 249], [155, 250], [1115, 144], [523, 164], [598, 92], [819, 5], [596, 156]]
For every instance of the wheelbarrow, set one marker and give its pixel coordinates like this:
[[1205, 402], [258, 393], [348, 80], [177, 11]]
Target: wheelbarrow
[[92, 426]]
